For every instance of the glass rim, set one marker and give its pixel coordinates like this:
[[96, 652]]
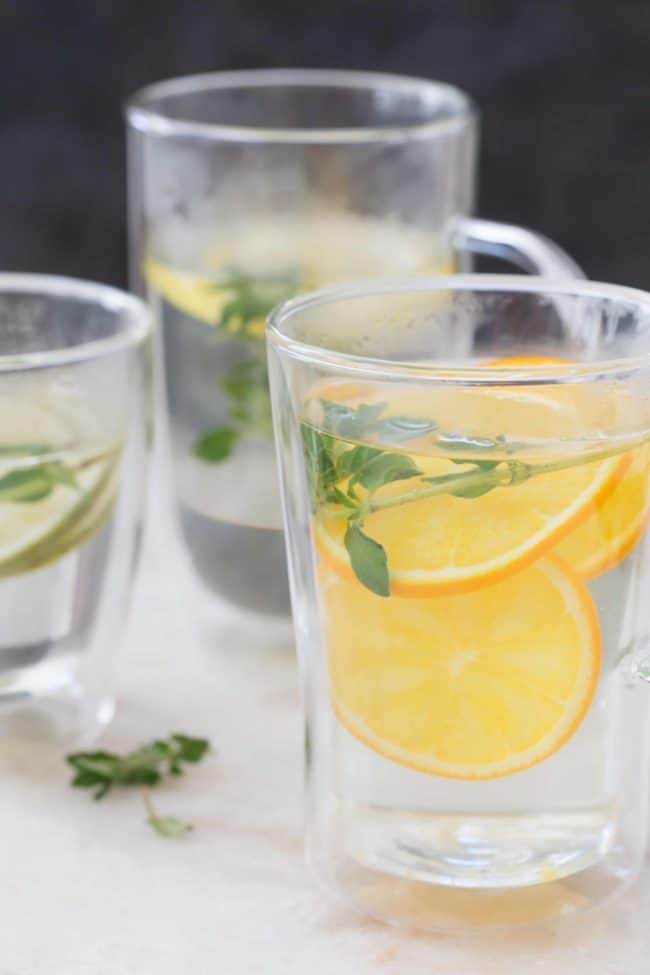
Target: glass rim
[[450, 373], [141, 113], [135, 312]]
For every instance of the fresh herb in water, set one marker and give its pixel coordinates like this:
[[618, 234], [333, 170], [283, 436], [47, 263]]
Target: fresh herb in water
[[246, 386], [334, 471], [36, 482]]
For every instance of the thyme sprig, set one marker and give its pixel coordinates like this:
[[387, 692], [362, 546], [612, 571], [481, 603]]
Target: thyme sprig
[[335, 470]]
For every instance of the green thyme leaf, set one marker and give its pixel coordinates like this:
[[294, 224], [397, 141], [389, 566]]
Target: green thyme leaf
[[472, 491], [215, 445], [385, 469], [252, 299], [247, 389], [30, 484], [336, 496], [146, 766], [169, 826], [346, 421], [60, 474], [191, 749], [319, 457], [351, 462], [368, 560]]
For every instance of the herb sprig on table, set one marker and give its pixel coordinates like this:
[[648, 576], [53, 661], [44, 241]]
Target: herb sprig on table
[[144, 767], [246, 385], [337, 469]]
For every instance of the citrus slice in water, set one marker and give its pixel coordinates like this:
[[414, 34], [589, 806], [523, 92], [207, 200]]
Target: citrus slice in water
[[472, 686], [192, 294], [35, 533], [449, 543], [446, 544], [611, 532]]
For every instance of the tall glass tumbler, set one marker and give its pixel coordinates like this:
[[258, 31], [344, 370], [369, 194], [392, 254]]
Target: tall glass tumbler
[[74, 410], [465, 466], [246, 188]]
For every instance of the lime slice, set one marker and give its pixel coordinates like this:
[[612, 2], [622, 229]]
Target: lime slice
[[35, 533]]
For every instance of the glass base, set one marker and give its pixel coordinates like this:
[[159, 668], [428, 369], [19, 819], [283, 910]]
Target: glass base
[[49, 702], [485, 851], [425, 906], [431, 871]]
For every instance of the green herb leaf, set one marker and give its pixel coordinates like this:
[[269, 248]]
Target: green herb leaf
[[146, 766], [60, 474], [30, 484], [472, 491], [247, 389], [351, 462], [215, 445], [319, 459], [191, 749], [368, 560], [385, 469], [252, 299], [469, 484], [169, 826], [346, 421], [336, 496]]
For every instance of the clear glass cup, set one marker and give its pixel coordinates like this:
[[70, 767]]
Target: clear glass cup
[[74, 429], [246, 188], [465, 467]]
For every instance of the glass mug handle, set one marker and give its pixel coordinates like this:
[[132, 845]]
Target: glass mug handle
[[530, 251]]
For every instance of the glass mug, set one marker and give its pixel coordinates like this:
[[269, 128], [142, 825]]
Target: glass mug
[[246, 188], [74, 406], [465, 467]]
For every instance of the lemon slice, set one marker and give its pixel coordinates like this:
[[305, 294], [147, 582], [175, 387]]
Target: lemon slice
[[192, 294], [472, 686]]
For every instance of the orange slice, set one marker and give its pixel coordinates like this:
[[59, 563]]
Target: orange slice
[[611, 532], [446, 544], [470, 687], [614, 528]]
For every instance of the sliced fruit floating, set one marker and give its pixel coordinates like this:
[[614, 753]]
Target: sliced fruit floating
[[35, 533], [472, 686], [610, 533]]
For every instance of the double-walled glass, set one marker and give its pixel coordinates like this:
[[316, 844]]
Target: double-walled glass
[[465, 467], [247, 188], [74, 427]]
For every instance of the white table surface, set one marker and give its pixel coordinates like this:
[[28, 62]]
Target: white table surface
[[89, 889]]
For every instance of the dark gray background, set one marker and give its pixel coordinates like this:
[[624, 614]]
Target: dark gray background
[[563, 85]]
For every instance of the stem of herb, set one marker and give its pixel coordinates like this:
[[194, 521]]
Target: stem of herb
[[506, 473]]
